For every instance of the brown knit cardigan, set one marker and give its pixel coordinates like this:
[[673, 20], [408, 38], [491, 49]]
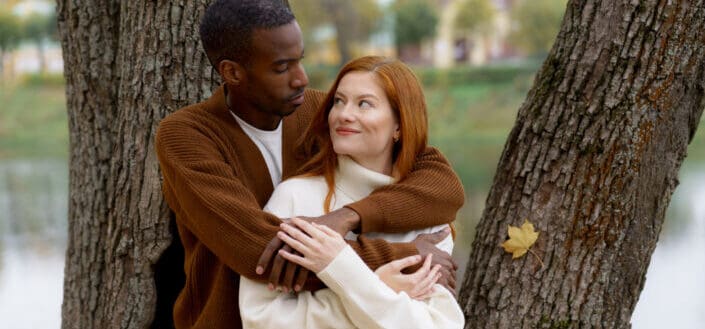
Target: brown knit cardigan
[[216, 182]]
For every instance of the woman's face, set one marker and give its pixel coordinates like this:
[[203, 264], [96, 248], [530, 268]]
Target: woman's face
[[362, 123]]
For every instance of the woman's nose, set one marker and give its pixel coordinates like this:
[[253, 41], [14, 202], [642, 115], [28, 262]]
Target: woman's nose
[[345, 113]]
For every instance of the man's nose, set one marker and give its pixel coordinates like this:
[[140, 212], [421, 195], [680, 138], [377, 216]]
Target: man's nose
[[300, 78]]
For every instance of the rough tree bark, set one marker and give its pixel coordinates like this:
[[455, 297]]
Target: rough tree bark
[[127, 65], [592, 161]]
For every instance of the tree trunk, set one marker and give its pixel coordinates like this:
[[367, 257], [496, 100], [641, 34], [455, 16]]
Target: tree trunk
[[127, 65], [341, 13], [592, 161]]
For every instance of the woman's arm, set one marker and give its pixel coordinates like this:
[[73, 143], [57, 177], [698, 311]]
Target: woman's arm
[[369, 302]]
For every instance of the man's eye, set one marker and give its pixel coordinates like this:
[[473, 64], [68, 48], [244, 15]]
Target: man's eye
[[281, 68]]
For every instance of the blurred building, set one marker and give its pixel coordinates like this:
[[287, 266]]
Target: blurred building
[[453, 46], [28, 59]]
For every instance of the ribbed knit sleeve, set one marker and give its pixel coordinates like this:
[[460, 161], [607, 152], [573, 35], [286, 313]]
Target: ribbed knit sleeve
[[294, 197], [209, 198], [430, 195]]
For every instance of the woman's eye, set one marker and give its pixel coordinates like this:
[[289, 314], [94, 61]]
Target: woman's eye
[[337, 101], [365, 104]]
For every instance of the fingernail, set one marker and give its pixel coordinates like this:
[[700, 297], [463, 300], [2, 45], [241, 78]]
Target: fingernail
[[297, 287], [259, 270]]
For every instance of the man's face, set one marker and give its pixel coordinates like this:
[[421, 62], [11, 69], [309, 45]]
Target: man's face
[[275, 78]]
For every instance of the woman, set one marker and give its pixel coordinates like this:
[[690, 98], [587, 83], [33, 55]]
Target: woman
[[369, 131]]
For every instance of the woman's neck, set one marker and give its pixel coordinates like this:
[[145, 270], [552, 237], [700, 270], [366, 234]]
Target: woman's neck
[[382, 165]]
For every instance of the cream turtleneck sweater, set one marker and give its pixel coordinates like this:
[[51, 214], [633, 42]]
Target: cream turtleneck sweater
[[356, 297]]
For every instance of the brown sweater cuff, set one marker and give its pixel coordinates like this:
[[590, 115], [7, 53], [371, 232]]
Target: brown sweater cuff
[[402, 250], [371, 216]]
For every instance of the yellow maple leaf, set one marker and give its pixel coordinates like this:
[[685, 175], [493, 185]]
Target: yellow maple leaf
[[521, 239]]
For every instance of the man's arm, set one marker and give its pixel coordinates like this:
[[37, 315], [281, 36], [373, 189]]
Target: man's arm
[[430, 195], [209, 199], [213, 204]]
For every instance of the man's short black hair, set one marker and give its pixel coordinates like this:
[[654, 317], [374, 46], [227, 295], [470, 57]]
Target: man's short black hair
[[227, 26]]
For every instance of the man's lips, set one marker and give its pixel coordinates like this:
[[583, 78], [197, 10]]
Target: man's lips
[[346, 131], [297, 99]]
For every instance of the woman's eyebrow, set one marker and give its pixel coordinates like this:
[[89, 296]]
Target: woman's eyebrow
[[367, 96]]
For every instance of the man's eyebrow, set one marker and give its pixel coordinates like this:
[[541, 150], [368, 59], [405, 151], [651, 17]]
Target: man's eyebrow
[[287, 60]]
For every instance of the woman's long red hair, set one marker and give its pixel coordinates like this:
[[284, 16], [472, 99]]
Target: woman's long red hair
[[408, 104]]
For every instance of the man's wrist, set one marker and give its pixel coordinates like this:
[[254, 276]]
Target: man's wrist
[[351, 218]]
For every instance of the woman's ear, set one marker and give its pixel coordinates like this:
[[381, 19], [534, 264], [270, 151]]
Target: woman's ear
[[231, 72], [397, 134]]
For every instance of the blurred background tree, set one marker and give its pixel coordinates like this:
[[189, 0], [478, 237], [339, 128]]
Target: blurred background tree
[[536, 24], [414, 22], [352, 23], [10, 34], [475, 15], [39, 28]]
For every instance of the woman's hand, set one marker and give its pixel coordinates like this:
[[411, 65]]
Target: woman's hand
[[418, 285], [317, 243]]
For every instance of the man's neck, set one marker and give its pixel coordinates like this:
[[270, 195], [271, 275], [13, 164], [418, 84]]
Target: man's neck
[[248, 113]]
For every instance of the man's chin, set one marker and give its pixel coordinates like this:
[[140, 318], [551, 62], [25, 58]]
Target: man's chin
[[289, 110]]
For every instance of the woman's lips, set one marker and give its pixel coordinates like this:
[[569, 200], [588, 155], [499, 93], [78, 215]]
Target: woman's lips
[[346, 131]]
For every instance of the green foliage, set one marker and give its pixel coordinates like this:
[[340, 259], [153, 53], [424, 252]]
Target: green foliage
[[10, 31], [414, 21], [321, 76], [537, 24], [466, 75], [37, 27], [474, 15], [352, 21], [361, 16]]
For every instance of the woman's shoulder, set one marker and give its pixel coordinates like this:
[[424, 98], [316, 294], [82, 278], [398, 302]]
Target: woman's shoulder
[[297, 196], [299, 186]]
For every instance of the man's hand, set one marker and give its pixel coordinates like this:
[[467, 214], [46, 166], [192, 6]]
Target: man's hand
[[426, 244], [342, 221]]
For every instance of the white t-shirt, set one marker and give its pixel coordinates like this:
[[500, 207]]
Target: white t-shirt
[[269, 143]]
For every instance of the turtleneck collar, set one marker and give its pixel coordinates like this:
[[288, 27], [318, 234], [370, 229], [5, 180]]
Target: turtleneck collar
[[356, 181]]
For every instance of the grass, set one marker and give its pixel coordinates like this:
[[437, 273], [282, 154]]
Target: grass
[[33, 121], [470, 124]]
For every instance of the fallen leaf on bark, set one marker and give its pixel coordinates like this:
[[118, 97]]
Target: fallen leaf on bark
[[521, 239]]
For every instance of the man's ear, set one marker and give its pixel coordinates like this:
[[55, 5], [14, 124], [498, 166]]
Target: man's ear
[[231, 72]]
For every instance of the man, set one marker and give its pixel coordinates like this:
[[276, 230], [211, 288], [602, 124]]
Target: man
[[222, 158]]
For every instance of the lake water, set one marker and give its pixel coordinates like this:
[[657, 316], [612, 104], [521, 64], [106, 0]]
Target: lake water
[[33, 208]]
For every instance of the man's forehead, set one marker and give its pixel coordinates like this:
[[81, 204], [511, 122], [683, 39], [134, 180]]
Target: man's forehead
[[282, 41]]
